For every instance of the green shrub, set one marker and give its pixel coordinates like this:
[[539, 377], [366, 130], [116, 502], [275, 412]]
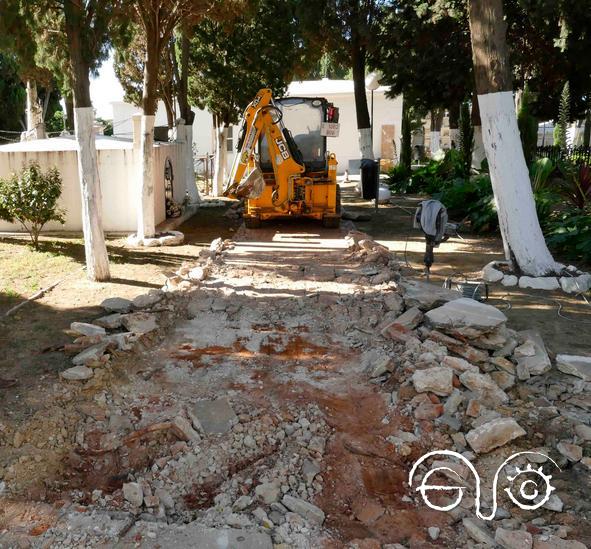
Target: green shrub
[[471, 200], [30, 198], [576, 186], [570, 233], [398, 179], [540, 172]]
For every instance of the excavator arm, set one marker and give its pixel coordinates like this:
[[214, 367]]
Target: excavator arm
[[262, 117]]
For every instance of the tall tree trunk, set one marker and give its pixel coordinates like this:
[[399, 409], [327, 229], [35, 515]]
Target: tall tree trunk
[[69, 100], [219, 169], [187, 114], [406, 137], [454, 126], [97, 260], [518, 219], [478, 154], [146, 225], [363, 121], [35, 124], [436, 123]]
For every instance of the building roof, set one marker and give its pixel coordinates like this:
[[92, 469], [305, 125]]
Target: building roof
[[324, 87], [65, 144]]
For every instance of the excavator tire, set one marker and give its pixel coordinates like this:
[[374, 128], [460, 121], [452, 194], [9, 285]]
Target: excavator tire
[[252, 222], [331, 222]]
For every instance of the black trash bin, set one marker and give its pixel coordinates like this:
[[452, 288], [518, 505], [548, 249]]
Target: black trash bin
[[370, 175]]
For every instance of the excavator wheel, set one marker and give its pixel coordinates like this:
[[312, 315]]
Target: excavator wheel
[[252, 222]]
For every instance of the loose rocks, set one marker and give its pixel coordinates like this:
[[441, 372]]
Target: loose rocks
[[493, 434]]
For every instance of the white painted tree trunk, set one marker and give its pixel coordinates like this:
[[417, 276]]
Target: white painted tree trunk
[[365, 145], [219, 169], [518, 219], [97, 260], [435, 142], [185, 135], [146, 227], [454, 138], [478, 154]]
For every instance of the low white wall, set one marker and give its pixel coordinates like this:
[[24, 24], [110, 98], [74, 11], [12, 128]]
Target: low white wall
[[118, 172]]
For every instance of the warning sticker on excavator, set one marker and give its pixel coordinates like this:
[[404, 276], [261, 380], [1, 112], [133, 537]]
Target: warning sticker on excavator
[[330, 129]]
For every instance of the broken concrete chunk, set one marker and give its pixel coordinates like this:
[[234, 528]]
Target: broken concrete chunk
[[554, 542], [509, 280], [579, 366], [310, 512], [490, 273], [477, 530], [459, 364], [110, 322], [399, 333], [77, 373], [438, 380], [539, 283], [213, 416], [484, 386], [132, 492], [572, 452], [393, 302], [493, 434], [140, 323], [455, 346], [197, 274], [575, 284], [91, 353], [466, 316], [116, 305], [503, 379], [82, 328], [183, 430], [268, 492], [148, 300], [376, 363], [538, 363], [513, 539], [411, 318], [426, 296]]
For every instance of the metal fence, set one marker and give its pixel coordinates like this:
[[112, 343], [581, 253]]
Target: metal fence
[[578, 155]]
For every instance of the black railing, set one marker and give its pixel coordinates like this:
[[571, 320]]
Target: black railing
[[578, 155]]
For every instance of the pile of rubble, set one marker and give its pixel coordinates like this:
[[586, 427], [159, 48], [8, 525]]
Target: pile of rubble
[[130, 321], [216, 470], [458, 366]]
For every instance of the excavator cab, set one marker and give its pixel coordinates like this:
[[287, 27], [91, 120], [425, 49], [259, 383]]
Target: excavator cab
[[303, 118], [282, 166]]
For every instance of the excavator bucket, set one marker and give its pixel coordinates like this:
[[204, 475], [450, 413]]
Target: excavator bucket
[[252, 185]]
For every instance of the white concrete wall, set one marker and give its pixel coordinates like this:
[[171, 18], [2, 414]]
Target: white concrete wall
[[118, 171]]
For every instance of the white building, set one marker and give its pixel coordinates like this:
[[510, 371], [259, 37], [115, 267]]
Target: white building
[[387, 116]]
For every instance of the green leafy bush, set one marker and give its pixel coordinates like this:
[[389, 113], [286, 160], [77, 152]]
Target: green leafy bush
[[576, 186], [540, 172], [471, 200], [30, 198], [570, 233], [398, 179]]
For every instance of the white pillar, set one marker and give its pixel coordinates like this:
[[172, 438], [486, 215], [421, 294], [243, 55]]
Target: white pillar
[[97, 260], [146, 227], [511, 184], [435, 142], [185, 136], [219, 169]]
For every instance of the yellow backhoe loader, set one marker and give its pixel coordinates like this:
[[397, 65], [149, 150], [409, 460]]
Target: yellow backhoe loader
[[284, 173]]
